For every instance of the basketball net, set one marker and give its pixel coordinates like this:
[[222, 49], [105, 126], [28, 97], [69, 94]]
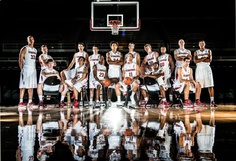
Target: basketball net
[[115, 25]]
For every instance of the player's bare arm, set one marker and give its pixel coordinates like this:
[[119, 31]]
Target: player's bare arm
[[21, 57]]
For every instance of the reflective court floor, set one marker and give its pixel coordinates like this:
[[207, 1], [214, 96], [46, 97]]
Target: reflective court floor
[[173, 134]]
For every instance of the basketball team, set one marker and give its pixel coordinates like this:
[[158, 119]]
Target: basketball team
[[120, 72]]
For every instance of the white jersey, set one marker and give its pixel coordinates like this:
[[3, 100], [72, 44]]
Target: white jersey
[[30, 57], [181, 52], [202, 54], [93, 60], [45, 57], [164, 64], [114, 71], [79, 72], [151, 59], [79, 54], [101, 142], [179, 86], [130, 70], [114, 141], [134, 56], [42, 77], [186, 73], [114, 57], [28, 75], [26, 139], [101, 71], [130, 143]]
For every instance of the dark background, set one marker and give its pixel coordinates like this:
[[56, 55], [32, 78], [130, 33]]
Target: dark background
[[62, 24]]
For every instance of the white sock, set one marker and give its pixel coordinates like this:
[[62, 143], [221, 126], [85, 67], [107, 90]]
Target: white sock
[[40, 98], [118, 98], [62, 98], [132, 94]]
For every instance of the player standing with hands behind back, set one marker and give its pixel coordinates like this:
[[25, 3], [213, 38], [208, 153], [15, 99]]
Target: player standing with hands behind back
[[28, 74]]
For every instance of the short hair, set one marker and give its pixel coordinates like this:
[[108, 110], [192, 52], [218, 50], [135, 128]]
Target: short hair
[[44, 45], [81, 57], [186, 58], [147, 45], [50, 60], [81, 43], [114, 42]]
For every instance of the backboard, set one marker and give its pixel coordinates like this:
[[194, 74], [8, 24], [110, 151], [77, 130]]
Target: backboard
[[127, 12]]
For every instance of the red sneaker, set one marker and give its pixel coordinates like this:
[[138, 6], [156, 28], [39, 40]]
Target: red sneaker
[[41, 104], [143, 103], [62, 104], [188, 105], [21, 104], [198, 103], [212, 104], [76, 103]]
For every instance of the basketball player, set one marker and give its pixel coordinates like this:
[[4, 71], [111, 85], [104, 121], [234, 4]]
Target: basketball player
[[131, 70], [206, 138], [99, 74], [48, 71], [28, 74], [26, 138], [70, 73], [186, 83], [203, 73], [93, 60], [114, 59], [179, 55], [149, 59], [158, 75], [79, 80], [166, 64], [136, 55]]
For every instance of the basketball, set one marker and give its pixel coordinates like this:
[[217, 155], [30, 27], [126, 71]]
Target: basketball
[[128, 80], [106, 82]]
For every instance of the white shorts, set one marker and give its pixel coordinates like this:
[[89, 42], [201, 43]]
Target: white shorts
[[204, 76], [78, 85], [152, 88], [206, 137], [69, 73], [178, 86], [114, 73], [28, 78]]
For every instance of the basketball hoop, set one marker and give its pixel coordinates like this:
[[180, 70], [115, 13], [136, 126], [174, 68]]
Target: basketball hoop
[[115, 25]]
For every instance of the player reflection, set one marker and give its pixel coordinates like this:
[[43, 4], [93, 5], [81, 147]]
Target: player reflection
[[206, 138], [26, 138]]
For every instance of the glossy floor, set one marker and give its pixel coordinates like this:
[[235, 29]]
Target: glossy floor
[[117, 118]]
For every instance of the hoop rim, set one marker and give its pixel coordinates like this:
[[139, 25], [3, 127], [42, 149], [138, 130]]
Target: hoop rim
[[115, 22]]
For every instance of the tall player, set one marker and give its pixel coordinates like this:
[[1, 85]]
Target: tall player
[[28, 74], [203, 73], [166, 64], [131, 70], [93, 60], [114, 59], [70, 73], [179, 55]]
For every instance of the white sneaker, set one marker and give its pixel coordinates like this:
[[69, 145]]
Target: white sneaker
[[90, 103], [119, 103]]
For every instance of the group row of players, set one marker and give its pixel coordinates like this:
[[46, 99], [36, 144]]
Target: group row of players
[[91, 69]]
